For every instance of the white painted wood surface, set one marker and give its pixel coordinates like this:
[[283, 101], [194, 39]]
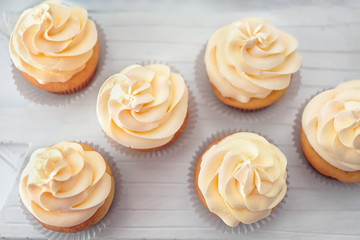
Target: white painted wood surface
[[154, 199]]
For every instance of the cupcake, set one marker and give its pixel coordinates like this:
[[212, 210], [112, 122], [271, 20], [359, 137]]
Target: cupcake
[[330, 134], [250, 63], [67, 187], [55, 47], [241, 178], [143, 108]]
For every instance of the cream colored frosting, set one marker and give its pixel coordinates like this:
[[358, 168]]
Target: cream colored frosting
[[242, 178], [331, 123], [250, 58], [52, 42], [63, 185], [142, 107]]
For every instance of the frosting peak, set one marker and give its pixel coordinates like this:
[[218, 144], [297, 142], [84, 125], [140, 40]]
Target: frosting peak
[[142, 107], [251, 58], [52, 42], [64, 185], [242, 178], [331, 123]]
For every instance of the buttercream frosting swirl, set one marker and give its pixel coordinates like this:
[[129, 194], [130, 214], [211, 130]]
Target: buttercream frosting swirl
[[52, 42], [242, 178], [331, 123], [142, 107], [63, 185], [250, 58]]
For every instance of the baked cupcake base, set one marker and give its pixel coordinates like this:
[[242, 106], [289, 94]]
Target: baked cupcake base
[[176, 135], [79, 81], [253, 103], [99, 214], [323, 166], [196, 177]]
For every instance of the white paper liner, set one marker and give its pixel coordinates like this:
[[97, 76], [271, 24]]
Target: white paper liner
[[208, 96], [296, 136], [95, 229], [180, 142], [9, 21], [42, 97], [205, 214], [12, 153]]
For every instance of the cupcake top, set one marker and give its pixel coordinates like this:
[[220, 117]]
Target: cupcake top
[[331, 123], [242, 178], [63, 185], [142, 107], [250, 58], [52, 42]]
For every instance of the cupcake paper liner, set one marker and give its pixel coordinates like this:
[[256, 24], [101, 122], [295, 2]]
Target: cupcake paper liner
[[13, 153], [179, 143], [205, 214], [42, 97], [9, 20], [296, 136], [95, 229], [208, 95]]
